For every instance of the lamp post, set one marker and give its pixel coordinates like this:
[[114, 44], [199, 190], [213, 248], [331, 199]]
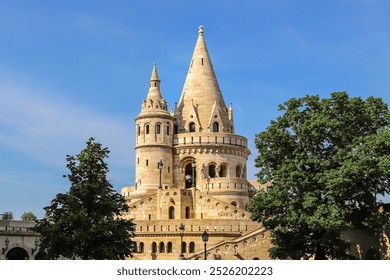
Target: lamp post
[[205, 238], [193, 165], [181, 228], [6, 243], [160, 167]]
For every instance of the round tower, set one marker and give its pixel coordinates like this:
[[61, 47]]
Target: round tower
[[154, 130], [204, 134]]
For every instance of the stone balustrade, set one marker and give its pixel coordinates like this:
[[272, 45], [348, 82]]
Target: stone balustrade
[[212, 138], [193, 226], [223, 184]]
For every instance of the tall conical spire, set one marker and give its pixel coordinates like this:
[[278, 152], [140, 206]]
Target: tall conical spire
[[154, 85], [154, 100], [201, 89]]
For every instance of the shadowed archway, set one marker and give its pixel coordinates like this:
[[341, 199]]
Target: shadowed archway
[[17, 253]]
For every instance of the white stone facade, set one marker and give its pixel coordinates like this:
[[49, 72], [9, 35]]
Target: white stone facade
[[203, 182]]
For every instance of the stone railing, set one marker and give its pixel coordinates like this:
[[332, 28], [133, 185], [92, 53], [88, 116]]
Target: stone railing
[[16, 229], [223, 184], [211, 138], [194, 227]]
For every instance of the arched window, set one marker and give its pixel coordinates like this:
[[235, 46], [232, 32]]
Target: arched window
[[188, 175], [168, 128], [223, 170], [184, 247], [188, 212], [158, 128], [169, 247], [192, 247], [135, 247], [139, 130], [162, 247], [238, 171], [171, 212], [175, 129], [215, 127], [141, 247], [147, 129], [154, 247], [192, 127], [212, 170]]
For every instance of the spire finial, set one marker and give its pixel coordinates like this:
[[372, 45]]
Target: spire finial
[[201, 30], [154, 76]]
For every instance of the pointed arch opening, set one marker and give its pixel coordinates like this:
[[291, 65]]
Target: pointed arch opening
[[192, 247], [184, 247], [191, 127], [215, 127], [190, 175], [171, 213], [222, 170], [162, 247], [154, 248], [238, 171], [169, 247], [141, 247], [211, 170], [158, 128]]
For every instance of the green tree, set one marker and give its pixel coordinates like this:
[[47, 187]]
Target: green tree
[[85, 222], [28, 216], [8, 216], [328, 160]]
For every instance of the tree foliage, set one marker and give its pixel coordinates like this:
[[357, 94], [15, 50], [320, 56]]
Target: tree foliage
[[328, 160], [85, 222], [7, 216], [28, 216]]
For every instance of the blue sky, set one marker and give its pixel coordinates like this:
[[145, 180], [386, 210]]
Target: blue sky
[[74, 69]]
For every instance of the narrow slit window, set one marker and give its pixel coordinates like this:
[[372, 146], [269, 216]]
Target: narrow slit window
[[215, 127], [158, 128]]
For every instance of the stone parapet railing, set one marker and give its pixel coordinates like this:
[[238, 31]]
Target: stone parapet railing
[[211, 138], [193, 226]]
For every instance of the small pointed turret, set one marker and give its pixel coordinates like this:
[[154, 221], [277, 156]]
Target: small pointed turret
[[154, 85], [154, 99], [201, 91]]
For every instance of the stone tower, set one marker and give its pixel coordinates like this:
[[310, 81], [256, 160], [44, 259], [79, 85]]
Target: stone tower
[[204, 133], [153, 139], [191, 173]]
